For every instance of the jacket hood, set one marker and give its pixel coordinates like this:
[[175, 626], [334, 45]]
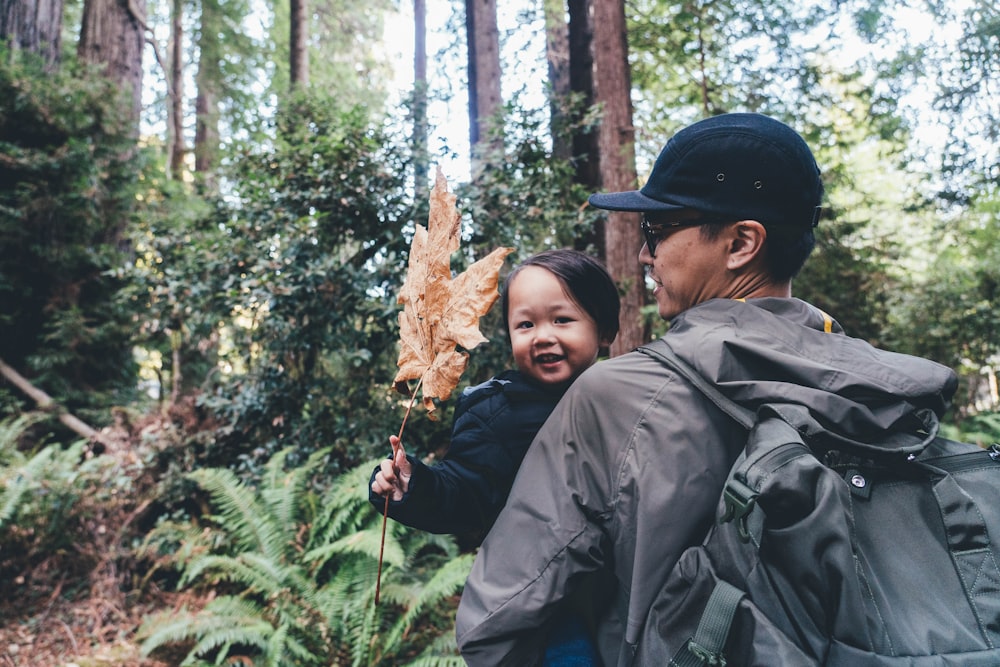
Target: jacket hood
[[848, 386]]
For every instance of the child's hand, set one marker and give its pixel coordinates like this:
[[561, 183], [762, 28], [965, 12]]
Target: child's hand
[[394, 475]]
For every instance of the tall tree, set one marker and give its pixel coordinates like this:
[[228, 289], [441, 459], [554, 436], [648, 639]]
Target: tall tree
[[34, 26], [484, 74], [112, 35], [616, 156], [420, 128], [557, 56], [175, 92], [581, 83], [299, 44], [208, 81]]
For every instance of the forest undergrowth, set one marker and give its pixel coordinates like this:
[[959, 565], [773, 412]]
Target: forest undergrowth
[[80, 604]]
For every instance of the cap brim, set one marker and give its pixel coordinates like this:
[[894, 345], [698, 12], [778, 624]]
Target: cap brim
[[633, 200]]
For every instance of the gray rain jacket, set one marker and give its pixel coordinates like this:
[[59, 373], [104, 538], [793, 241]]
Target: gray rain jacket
[[627, 471]]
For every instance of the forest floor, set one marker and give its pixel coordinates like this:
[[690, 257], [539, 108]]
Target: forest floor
[[82, 633], [82, 605]]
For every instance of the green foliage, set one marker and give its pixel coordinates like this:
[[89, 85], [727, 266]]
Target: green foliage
[[314, 227], [982, 429], [947, 311], [47, 496], [68, 175], [348, 60], [297, 568], [523, 197]]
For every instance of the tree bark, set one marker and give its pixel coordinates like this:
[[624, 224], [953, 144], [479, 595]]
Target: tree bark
[[616, 151], [206, 106], [34, 26], [112, 34], [421, 166], [484, 77], [299, 45], [176, 108], [45, 402], [557, 56], [581, 80]]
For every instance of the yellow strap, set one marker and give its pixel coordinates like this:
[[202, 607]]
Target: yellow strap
[[827, 320]]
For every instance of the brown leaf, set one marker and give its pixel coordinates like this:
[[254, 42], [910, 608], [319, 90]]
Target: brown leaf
[[441, 312]]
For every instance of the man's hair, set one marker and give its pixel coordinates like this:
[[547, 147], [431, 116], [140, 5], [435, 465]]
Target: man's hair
[[785, 249], [586, 281]]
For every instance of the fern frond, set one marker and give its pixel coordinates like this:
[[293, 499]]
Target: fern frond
[[345, 507], [442, 652], [432, 660], [166, 627], [446, 581], [11, 431], [252, 571], [364, 542], [244, 517], [284, 491], [17, 480]]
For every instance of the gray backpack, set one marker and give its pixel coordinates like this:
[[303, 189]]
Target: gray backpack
[[830, 551]]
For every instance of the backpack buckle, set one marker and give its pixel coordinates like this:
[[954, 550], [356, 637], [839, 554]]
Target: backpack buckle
[[706, 656], [739, 500]]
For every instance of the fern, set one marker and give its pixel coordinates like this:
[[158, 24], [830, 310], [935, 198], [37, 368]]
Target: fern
[[304, 566], [446, 581], [243, 513]]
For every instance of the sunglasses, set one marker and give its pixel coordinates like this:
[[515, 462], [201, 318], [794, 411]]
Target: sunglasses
[[653, 228]]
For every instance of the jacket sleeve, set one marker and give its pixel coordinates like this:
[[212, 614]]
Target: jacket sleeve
[[467, 489]]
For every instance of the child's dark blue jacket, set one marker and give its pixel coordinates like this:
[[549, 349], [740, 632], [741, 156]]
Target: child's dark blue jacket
[[494, 424]]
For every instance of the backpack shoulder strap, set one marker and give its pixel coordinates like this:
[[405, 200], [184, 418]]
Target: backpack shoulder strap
[[659, 349]]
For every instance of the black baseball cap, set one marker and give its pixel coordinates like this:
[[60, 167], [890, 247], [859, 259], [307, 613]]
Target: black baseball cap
[[743, 166]]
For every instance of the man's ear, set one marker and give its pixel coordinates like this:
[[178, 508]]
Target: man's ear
[[746, 243]]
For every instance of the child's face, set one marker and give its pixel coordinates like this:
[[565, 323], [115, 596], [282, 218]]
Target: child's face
[[552, 338]]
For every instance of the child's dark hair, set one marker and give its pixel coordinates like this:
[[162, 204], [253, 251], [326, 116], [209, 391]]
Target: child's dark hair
[[586, 281]]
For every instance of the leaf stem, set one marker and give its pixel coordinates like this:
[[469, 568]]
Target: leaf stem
[[385, 509]]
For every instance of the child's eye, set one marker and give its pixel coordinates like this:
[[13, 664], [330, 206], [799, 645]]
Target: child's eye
[[563, 320], [523, 325]]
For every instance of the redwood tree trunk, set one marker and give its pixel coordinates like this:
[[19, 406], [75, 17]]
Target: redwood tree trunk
[[176, 109], [484, 75], [206, 106], [299, 45], [421, 166], [557, 55], [616, 150], [112, 34], [34, 26]]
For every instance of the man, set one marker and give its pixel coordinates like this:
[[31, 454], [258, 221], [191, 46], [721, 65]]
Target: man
[[627, 471]]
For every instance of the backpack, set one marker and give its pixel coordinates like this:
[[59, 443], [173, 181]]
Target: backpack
[[830, 551]]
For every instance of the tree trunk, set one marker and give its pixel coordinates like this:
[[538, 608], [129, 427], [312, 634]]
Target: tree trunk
[[484, 77], [421, 166], [34, 26], [175, 111], [584, 143], [581, 80], [557, 55], [616, 151], [47, 404], [206, 106], [112, 34], [299, 44]]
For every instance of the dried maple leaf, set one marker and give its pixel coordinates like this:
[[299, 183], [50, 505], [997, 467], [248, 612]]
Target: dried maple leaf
[[440, 313]]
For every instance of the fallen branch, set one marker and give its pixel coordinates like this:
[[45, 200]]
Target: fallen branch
[[47, 404]]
